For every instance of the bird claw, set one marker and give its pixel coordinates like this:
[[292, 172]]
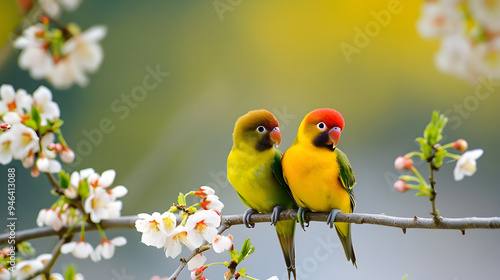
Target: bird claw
[[301, 218], [331, 217], [246, 218], [276, 214]]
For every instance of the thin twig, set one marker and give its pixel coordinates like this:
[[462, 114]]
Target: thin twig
[[56, 252], [355, 218], [54, 183]]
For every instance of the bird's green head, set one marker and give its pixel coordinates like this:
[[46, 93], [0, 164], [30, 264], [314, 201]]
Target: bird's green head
[[257, 129], [321, 128]]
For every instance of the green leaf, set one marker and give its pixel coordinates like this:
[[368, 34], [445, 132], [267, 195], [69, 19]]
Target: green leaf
[[26, 249], [439, 156], [44, 129], [83, 189], [246, 250], [31, 124], [64, 179], [425, 148], [235, 254], [405, 277], [420, 194], [181, 199], [35, 116], [70, 272], [57, 124]]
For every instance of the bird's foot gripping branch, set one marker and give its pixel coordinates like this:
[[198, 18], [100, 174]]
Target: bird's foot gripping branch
[[434, 153]]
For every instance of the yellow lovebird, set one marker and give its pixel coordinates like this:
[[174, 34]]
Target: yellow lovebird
[[254, 170], [319, 174]]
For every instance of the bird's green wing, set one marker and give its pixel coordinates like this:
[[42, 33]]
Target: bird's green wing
[[346, 175], [278, 173]]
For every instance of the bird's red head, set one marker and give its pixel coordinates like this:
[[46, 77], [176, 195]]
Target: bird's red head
[[323, 127]]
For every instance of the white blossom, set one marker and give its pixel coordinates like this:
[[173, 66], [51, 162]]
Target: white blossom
[[212, 202], [487, 12], [440, 18], [81, 54], [27, 267], [25, 141], [80, 249], [222, 243], [174, 241], [466, 164], [49, 217], [458, 56], [106, 249], [4, 274], [102, 181], [48, 109], [53, 7], [152, 233], [12, 101], [6, 140], [35, 55], [77, 177], [196, 261], [101, 205], [202, 225]]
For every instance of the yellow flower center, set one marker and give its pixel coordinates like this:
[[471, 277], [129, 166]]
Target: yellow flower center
[[201, 227], [468, 166], [169, 223], [180, 237], [26, 138]]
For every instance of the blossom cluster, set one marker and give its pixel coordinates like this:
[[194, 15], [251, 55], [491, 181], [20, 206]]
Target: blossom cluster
[[196, 227], [31, 124], [434, 153], [26, 268], [99, 202], [61, 55], [469, 31]]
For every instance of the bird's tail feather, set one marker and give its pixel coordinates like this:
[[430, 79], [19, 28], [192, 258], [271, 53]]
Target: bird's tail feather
[[346, 241], [286, 232]]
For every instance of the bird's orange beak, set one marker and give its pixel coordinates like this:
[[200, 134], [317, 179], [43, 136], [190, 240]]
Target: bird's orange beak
[[334, 135], [275, 136]]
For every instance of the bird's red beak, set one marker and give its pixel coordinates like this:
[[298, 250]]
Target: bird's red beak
[[275, 136], [334, 135]]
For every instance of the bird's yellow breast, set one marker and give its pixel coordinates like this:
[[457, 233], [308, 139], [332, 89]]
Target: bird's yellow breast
[[250, 173], [313, 177]]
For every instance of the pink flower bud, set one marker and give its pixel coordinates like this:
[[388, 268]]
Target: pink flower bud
[[4, 126], [35, 172], [67, 155], [204, 191], [403, 163], [56, 147], [401, 186], [460, 145], [29, 160]]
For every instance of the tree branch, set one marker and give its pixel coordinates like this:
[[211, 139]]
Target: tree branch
[[461, 224]]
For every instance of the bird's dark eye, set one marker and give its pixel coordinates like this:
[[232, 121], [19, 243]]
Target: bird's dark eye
[[261, 129], [321, 126]]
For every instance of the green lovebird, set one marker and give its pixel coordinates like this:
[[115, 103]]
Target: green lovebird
[[254, 170], [319, 174]]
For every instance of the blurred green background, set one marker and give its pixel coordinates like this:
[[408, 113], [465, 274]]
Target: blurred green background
[[284, 56]]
